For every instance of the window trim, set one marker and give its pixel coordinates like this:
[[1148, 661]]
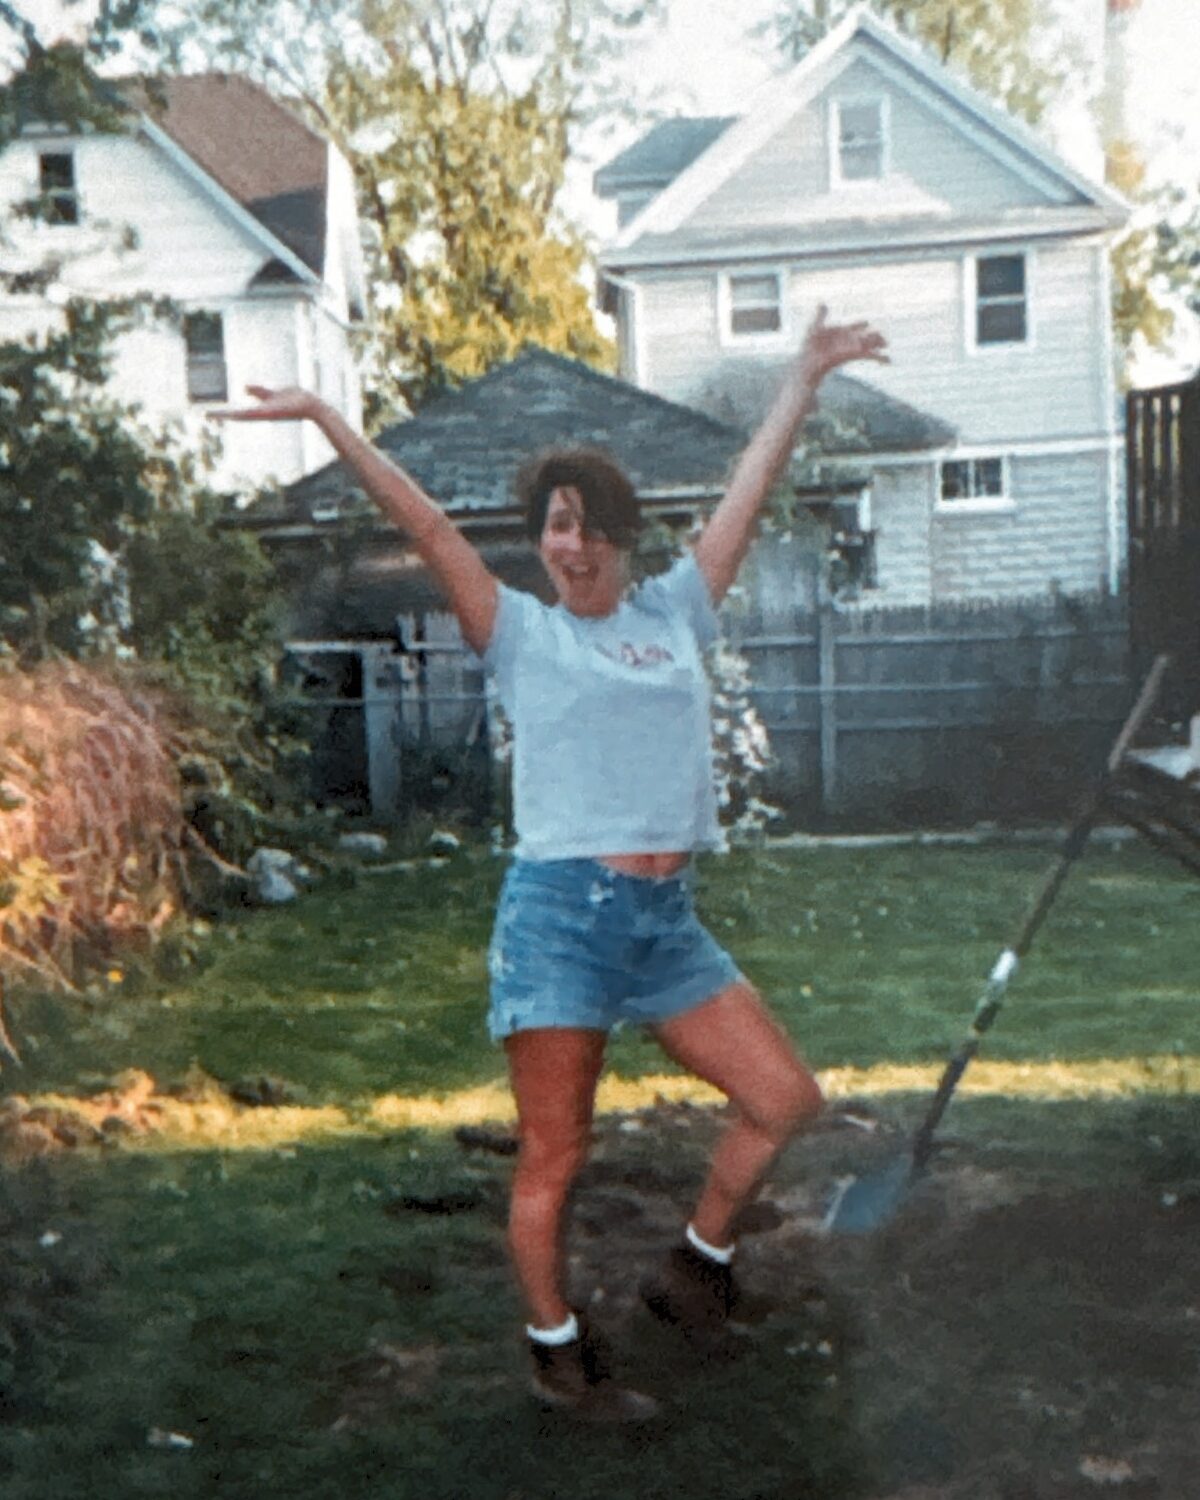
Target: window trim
[[762, 339], [66, 196], [199, 362], [975, 504], [971, 300], [836, 179]]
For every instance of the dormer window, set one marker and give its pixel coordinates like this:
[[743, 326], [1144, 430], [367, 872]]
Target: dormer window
[[753, 304], [859, 140], [56, 183], [204, 337]]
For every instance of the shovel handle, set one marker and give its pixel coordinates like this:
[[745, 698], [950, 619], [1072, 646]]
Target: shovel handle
[[1077, 836], [1006, 965]]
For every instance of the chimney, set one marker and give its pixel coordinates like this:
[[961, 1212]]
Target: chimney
[[1123, 165]]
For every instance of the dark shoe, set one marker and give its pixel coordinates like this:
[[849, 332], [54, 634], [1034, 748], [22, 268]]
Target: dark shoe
[[699, 1297], [575, 1378]]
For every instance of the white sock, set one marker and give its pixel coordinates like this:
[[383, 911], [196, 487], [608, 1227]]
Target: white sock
[[563, 1334], [722, 1254]]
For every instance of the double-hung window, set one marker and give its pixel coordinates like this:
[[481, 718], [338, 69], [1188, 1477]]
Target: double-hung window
[[754, 304], [56, 184], [966, 480], [1001, 300], [204, 338], [859, 140]]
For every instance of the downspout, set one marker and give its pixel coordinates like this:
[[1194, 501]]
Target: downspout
[[1124, 168], [1108, 395]]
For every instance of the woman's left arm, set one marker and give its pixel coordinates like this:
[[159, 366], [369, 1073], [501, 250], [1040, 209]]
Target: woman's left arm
[[726, 537]]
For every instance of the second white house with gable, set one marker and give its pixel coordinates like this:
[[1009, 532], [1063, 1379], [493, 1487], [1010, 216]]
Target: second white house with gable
[[218, 197], [870, 179]]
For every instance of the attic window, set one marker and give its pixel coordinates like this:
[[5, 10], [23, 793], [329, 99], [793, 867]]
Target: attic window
[[860, 137], [755, 304], [204, 337], [1001, 303], [56, 183]]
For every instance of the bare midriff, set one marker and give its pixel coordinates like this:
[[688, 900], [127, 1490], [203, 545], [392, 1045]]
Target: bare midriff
[[647, 866]]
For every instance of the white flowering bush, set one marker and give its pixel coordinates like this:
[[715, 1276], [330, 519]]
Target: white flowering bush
[[741, 746]]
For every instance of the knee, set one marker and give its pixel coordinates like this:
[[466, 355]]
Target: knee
[[788, 1104], [549, 1160]]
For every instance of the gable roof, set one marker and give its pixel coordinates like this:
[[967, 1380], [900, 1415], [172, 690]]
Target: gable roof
[[661, 225], [252, 146], [465, 448], [660, 155]]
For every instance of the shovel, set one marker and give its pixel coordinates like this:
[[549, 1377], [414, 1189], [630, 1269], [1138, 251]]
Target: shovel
[[865, 1203]]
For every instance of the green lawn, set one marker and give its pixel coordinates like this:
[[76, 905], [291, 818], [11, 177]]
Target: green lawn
[[239, 1289]]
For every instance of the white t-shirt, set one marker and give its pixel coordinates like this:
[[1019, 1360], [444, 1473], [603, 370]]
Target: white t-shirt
[[612, 736]]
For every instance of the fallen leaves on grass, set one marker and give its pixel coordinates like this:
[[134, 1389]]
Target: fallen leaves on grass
[[1106, 1471], [380, 1379], [137, 1109]]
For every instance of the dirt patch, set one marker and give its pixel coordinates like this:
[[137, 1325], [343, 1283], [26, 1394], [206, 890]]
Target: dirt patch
[[1027, 1328], [1007, 1337]]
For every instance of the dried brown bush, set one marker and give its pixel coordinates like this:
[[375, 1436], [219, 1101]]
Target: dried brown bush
[[91, 825]]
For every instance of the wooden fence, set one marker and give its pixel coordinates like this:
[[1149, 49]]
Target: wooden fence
[[944, 715], [1163, 484], [876, 718]]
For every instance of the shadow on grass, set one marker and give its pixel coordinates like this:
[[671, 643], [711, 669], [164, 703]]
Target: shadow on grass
[[337, 1320], [203, 1323]]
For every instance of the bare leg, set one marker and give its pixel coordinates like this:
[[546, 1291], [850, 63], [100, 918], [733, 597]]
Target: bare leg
[[732, 1042], [553, 1071]]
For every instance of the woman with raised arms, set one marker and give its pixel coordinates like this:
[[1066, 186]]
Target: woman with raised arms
[[613, 794]]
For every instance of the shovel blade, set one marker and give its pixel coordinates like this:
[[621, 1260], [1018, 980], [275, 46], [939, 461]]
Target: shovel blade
[[866, 1203]]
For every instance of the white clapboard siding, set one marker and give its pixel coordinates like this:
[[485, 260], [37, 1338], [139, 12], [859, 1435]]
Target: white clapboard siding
[[185, 246], [1054, 536], [901, 511], [1053, 387], [678, 331], [934, 168]]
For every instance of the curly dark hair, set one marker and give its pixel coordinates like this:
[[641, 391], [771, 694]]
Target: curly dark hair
[[610, 503]]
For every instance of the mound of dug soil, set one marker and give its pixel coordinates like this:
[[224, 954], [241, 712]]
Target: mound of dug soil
[[1008, 1336]]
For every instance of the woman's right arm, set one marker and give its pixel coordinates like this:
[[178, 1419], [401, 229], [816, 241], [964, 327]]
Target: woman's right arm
[[470, 588]]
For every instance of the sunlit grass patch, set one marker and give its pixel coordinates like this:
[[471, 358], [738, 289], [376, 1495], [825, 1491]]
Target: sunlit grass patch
[[219, 1122], [493, 1102], [1097, 1078]]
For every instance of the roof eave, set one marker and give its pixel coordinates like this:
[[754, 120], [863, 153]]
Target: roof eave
[[241, 215], [681, 248]]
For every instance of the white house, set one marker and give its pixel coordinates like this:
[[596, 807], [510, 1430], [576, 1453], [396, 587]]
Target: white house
[[986, 456], [218, 197]]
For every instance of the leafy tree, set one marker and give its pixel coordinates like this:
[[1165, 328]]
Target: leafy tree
[[470, 259], [77, 475], [110, 543], [991, 42], [1156, 262], [82, 475], [111, 547], [458, 118]]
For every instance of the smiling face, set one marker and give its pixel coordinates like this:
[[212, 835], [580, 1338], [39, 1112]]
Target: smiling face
[[588, 571]]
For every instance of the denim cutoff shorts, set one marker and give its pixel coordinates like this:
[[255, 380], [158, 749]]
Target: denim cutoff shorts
[[578, 944]]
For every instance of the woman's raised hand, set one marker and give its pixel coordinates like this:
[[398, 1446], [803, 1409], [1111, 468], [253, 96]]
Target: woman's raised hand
[[291, 404], [828, 345]]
